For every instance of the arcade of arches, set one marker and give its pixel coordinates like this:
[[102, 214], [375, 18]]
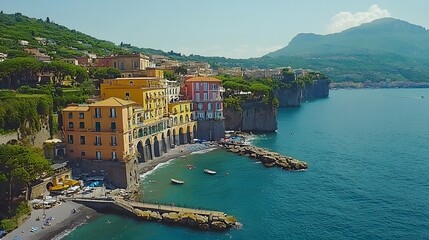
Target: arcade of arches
[[155, 145]]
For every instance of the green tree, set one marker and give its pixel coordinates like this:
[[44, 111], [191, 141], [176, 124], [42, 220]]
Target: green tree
[[19, 70], [181, 70], [259, 89], [87, 87], [19, 166], [104, 73]]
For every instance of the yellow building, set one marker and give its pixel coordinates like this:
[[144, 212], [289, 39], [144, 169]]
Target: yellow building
[[180, 121], [149, 92], [100, 130]]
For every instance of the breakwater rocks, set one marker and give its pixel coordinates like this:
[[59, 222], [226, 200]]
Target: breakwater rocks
[[199, 221], [268, 158]]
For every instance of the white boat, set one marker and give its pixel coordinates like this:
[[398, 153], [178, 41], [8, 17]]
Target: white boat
[[175, 181], [208, 171]]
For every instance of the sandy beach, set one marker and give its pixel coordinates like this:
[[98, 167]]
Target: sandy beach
[[178, 151], [64, 220]]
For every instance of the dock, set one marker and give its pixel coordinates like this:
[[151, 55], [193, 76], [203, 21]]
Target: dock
[[191, 217]]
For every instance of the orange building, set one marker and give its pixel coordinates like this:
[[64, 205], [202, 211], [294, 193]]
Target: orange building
[[100, 130], [98, 138]]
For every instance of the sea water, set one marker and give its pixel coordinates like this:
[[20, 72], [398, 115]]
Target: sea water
[[368, 176]]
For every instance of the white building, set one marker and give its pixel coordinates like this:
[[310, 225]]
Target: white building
[[173, 90]]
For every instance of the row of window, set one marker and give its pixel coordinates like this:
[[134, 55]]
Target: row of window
[[81, 115], [82, 140], [97, 126], [98, 155], [209, 106], [201, 116], [112, 112], [206, 86], [206, 96]]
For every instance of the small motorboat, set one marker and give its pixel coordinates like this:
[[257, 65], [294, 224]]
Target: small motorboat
[[175, 181], [189, 166], [208, 171]]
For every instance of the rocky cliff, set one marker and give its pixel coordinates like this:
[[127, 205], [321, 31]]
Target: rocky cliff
[[289, 97], [292, 97], [252, 117], [319, 89]]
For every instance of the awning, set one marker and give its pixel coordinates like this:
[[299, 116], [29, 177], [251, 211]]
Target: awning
[[71, 182], [59, 187]]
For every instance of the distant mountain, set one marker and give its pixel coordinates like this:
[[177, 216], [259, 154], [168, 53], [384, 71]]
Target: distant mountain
[[385, 49], [387, 35]]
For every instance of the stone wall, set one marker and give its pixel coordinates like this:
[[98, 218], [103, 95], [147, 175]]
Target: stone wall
[[212, 130], [253, 117], [7, 137], [121, 174], [36, 139]]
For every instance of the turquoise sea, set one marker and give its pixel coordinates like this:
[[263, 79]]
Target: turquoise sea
[[368, 152]]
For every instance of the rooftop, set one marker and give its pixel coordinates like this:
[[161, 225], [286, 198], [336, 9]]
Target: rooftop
[[113, 101], [203, 79], [76, 108]]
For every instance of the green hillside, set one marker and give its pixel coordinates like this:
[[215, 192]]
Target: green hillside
[[385, 49], [59, 41]]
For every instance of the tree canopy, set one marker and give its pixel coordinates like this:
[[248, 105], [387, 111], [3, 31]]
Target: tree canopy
[[24, 70], [19, 166], [104, 73]]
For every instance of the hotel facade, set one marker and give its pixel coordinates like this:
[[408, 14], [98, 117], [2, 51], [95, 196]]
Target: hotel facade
[[133, 123]]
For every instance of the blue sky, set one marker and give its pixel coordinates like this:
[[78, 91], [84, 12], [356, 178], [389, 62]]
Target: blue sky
[[229, 28]]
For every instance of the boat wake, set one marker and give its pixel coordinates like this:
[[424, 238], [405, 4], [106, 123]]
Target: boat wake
[[203, 151], [161, 165], [67, 232]]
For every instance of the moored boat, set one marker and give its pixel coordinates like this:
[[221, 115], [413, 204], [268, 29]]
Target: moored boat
[[175, 181], [208, 171]]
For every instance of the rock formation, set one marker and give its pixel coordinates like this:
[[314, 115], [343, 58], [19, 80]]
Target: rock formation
[[268, 158], [193, 220]]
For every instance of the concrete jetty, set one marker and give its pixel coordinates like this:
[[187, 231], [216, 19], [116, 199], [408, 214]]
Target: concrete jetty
[[195, 218]]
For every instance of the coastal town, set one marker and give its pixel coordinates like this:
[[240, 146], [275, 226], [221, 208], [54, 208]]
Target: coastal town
[[213, 120], [154, 109]]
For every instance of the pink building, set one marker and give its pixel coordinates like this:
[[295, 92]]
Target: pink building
[[205, 93]]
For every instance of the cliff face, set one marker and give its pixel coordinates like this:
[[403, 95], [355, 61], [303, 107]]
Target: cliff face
[[289, 97], [254, 117], [292, 97], [319, 89]]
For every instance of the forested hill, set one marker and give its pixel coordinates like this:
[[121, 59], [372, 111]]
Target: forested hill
[[385, 49], [387, 35], [55, 40]]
